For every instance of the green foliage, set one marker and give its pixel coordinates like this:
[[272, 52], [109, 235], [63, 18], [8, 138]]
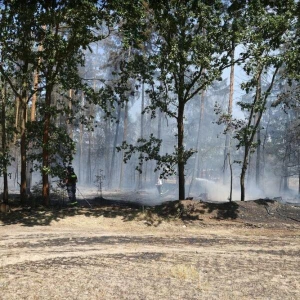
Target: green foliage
[[61, 148], [149, 150], [5, 161]]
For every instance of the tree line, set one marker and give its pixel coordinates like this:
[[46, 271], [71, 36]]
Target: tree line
[[71, 70]]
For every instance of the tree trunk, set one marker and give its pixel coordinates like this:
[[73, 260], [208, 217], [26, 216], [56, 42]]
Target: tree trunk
[[80, 154], [23, 190], [181, 163], [107, 146], [80, 158], [140, 179], [124, 139], [70, 123], [18, 102], [46, 132], [258, 157], [4, 143], [231, 177], [89, 160], [32, 119], [230, 101], [111, 173], [34, 96]]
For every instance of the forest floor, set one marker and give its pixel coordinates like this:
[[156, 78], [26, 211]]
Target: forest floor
[[105, 249]]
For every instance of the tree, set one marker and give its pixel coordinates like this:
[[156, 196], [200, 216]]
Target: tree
[[188, 54], [269, 24], [47, 38], [18, 62], [65, 30]]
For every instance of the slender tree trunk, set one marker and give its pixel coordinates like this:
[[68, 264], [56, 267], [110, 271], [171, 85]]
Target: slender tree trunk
[[181, 163], [159, 129], [124, 139], [107, 146], [18, 102], [70, 123], [111, 171], [4, 143], [243, 173], [231, 177], [140, 179], [258, 157], [89, 160], [46, 132], [285, 171], [32, 119], [80, 171], [230, 101], [80, 154], [23, 190], [34, 96]]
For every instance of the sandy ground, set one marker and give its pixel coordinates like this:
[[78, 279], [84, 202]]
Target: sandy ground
[[183, 250]]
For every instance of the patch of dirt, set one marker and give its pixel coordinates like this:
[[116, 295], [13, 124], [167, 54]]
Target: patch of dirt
[[120, 249]]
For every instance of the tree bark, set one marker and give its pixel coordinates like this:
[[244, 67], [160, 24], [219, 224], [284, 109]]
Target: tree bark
[[243, 173], [140, 179], [230, 101], [258, 157], [70, 123], [181, 164], [124, 139], [107, 146], [32, 119], [46, 132], [23, 190], [4, 143], [89, 160], [112, 165]]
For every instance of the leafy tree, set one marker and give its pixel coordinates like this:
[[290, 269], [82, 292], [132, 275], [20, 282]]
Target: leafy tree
[[47, 38], [268, 25], [18, 59], [188, 53], [7, 131]]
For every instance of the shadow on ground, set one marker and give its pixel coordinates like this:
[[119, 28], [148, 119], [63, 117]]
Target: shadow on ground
[[39, 215], [186, 210], [193, 210], [260, 210]]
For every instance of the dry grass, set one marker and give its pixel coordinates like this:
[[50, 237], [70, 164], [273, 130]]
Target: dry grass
[[203, 252]]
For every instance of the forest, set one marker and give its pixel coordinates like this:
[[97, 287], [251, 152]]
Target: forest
[[130, 91]]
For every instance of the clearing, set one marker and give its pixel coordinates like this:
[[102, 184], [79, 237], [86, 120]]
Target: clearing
[[178, 250]]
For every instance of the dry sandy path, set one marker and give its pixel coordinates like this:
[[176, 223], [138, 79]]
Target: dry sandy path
[[86, 257]]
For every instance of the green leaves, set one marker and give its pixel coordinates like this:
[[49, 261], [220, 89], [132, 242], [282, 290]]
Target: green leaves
[[61, 148]]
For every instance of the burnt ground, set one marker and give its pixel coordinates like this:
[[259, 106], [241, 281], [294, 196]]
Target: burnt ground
[[115, 247]]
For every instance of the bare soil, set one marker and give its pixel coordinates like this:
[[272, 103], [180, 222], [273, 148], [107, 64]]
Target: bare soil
[[188, 249]]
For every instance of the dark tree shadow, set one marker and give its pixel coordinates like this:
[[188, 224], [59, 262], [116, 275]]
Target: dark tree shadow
[[192, 210], [228, 210], [38, 215]]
